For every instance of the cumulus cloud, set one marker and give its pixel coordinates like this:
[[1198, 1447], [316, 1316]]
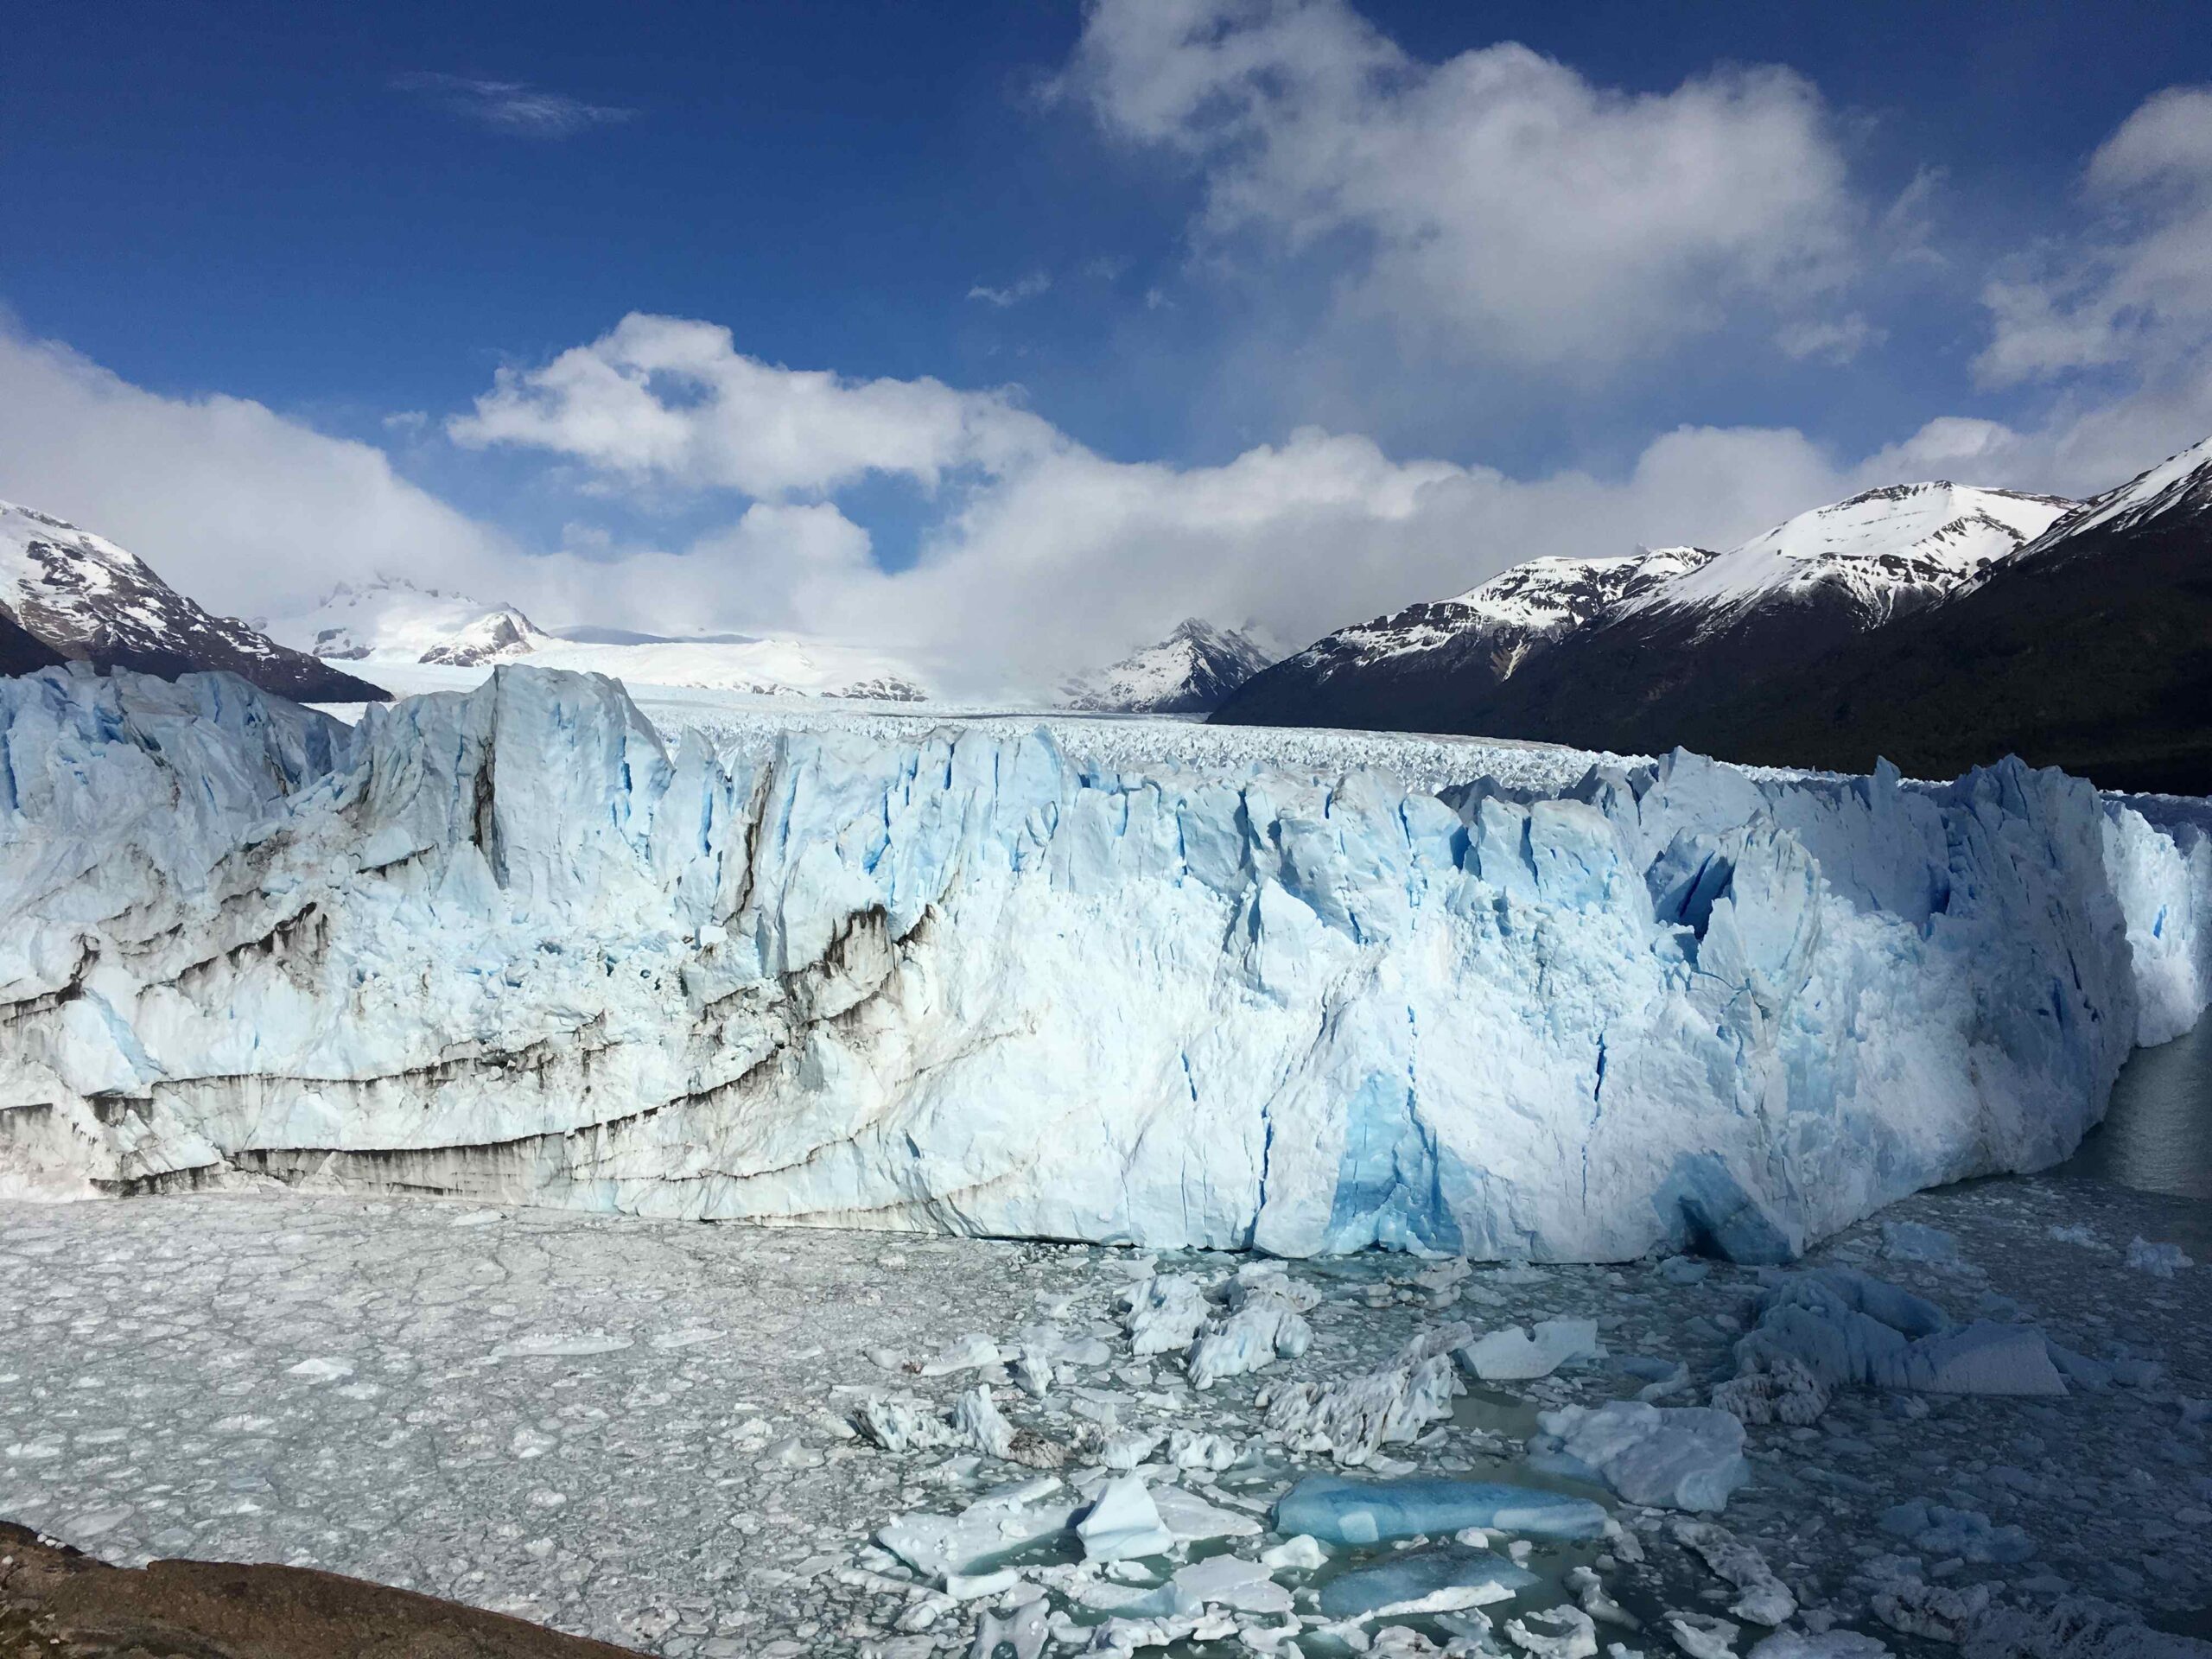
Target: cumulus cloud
[[2136, 288], [511, 106], [1052, 553], [671, 401], [1499, 200], [230, 501]]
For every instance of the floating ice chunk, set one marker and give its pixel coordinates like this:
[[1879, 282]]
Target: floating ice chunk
[[1937, 1530], [1512, 1354], [544, 1346], [1670, 1457], [1339, 1511], [1261, 1328], [1684, 1270], [1353, 1419], [1191, 1518], [1123, 1522], [1166, 1313], [1783, 1391], [1061, 1348], [1940, 1612], [1825, 1644], [2160, 1260], [1269, 1278], [1556, 1633], [1441, 1578], [1301, 1553], [937, 1545], [1701, 1635], [1764, 1598], [901, 1423], [969, 1353], [1128, 1448], [1913, 1241], [1846, 1328], [1231, 1581], [1590, 1592], [1214, 1453], [1025, 1631], [981, 1424], [1983, 1357], [322, 1369]]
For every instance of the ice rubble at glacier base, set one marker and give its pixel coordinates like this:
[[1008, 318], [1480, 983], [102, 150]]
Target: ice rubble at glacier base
[[648, 1433], [512, 946]]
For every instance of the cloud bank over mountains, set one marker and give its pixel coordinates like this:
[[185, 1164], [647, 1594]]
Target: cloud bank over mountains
[[1493, 207]]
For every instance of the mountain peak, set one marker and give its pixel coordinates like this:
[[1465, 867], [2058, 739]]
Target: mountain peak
[[1190, 672], [69, 593]]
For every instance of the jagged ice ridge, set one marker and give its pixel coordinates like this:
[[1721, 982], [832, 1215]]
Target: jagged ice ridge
[[511, 943]]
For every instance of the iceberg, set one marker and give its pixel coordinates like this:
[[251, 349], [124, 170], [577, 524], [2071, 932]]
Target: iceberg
[[1339, 1511], [1445, 1577], [518, 945]]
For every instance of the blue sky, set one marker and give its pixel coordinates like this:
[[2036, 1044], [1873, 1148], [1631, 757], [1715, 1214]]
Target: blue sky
[[1201, 234]]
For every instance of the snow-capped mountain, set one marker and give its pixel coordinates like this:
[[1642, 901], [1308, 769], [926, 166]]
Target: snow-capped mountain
[[498, 635], [1880, 552], [66, 593], [1364, 675], [390, 618], [1623, 653], [1189, 672], [393, 631], [2090, 649]]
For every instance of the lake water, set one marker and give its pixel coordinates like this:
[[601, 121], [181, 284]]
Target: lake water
[[2157, 1136]]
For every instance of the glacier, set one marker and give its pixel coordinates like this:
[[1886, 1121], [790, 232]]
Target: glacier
[[518, 944]]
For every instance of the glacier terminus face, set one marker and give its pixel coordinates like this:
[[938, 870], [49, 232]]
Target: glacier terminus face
[[516, 944]]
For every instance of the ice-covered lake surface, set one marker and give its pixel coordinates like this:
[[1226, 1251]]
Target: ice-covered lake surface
[[643, 1430]]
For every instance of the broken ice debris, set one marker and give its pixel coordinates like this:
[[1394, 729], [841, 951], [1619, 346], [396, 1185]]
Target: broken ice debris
[[1938, 1531], [1765, 1599], [1556, 1633], [1339, 1511], [1438, 1579], [1669, 1457], [2160, 1260], [1249, 1338], [1166, 1313], [1353, 1419]]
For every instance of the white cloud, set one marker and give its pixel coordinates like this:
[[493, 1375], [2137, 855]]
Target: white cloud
[[511, 106], [1836, 339], [2136, 288], [1497, 201], [1026, 287], [230, 502], [1074, 558], [665, 400]]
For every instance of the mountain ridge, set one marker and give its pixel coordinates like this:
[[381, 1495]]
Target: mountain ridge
[[67, 593]]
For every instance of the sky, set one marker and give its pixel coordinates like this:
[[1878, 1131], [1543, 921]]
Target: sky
[[1004, 336]]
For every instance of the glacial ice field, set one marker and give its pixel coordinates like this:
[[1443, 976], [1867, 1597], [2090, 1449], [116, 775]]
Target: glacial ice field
[[1127, 981]]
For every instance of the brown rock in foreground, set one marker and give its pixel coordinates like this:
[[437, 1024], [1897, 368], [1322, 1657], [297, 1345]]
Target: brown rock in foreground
[[57, 1603]]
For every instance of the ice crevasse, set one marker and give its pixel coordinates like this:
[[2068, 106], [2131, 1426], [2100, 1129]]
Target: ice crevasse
[[514, 944]]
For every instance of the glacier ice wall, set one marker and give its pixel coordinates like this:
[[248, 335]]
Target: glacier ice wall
[[512, 944]]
